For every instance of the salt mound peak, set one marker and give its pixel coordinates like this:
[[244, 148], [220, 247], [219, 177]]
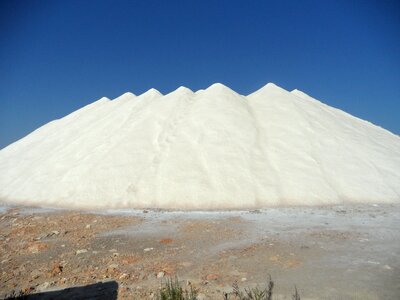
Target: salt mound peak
[[126, 96], [268, 88], [182, 91], [151, 93], [212, 149], [219, 88], [102, 99]]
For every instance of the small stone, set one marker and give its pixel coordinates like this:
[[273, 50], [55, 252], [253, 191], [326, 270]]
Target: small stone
[[42, 287], [111, 268], [124, 276], [55, 232], [160, 274], [35, 248], [166, 241], [62, 280], [87, 226], [81, 251], [148, 249], [210, 277], [387, 267], [243, 279], [35, 274], [41, 236], [115, 254], [28, 290], [57, 269]]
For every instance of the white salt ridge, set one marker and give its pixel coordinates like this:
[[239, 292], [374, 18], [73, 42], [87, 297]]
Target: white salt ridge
[[212, 149]]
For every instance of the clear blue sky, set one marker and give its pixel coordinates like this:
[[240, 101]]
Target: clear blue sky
[[56, 56]]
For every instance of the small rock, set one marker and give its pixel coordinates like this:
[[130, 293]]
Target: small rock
[[35, 248], [81, 251], [160, 274], [115, 254], [42, 287], [124, 276], [41, 236], [57, 269], [243, 279], [212, 277], [112, 268], [55, 232], [35, 274], [62, 280], [87, 226], [166, 241], [148, 249], [387, 267]]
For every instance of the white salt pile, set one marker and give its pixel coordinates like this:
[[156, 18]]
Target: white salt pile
[[212, 149]]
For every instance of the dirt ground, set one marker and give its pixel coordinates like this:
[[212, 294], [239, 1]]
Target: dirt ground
[[339, 252]]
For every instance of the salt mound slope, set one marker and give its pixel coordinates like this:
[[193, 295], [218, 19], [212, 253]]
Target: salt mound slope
[[212, 149]]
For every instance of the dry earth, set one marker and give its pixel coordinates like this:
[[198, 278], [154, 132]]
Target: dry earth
[[340, 252]]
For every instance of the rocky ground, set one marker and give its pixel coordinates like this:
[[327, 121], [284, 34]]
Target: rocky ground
[[340, 252]]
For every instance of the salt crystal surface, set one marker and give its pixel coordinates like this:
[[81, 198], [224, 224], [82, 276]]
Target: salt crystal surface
[[210, 149]]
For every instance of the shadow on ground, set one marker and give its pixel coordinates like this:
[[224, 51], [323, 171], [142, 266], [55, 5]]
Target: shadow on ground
[[102, 290]]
